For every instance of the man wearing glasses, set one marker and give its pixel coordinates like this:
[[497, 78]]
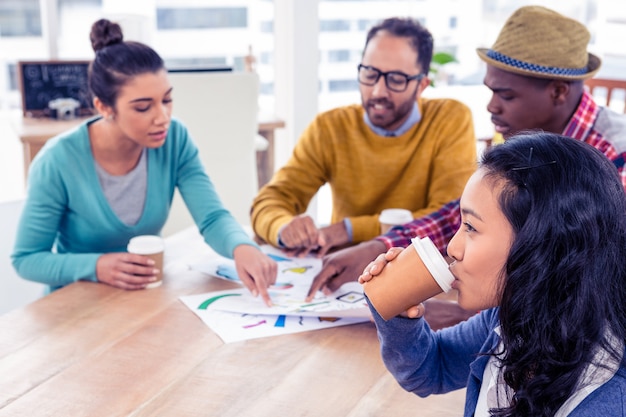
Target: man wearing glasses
[[395, 150]]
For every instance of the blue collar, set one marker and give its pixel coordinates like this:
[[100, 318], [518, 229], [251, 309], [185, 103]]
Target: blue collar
[[414, 117]]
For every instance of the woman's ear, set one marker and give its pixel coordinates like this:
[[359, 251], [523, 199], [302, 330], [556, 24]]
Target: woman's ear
[[105, 111]]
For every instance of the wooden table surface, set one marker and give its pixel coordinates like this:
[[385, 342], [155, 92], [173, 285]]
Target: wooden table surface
[[93, 350]]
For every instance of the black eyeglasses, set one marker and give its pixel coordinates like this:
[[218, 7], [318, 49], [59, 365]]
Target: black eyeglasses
[[394, 80]]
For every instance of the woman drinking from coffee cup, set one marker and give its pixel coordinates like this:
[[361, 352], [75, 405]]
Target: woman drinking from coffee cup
[[541, 255]]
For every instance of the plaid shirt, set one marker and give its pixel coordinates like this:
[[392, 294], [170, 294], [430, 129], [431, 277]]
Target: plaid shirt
[[441, 225]]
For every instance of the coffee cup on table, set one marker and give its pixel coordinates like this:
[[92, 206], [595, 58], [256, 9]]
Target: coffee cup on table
[[152, 247], [418, 273], [392, 217]]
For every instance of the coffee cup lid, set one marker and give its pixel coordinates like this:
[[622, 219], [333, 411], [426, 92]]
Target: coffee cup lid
[[434, 261], [395, 216], [146, 245]]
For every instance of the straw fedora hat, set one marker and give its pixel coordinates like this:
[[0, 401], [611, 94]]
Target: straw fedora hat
[[539, 42]]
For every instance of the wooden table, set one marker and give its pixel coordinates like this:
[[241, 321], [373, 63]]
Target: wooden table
[[34, 132], [93, 350]]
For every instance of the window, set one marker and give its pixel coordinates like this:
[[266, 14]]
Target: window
[[189, 63], [267, 26], [201, 18], [365, 24], [343, 85], [267, 88], [74, 25], [334, 25], [167, 25], [12, 69], [20, 18], [452, 22], [266, 58], [342, 55], [238, 63]]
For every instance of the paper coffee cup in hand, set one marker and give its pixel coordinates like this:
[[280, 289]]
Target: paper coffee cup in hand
[[418, 273], [392, 217], [152, 247]]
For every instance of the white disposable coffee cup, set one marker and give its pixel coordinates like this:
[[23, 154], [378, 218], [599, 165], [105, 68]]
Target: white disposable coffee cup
[[418, 273], [393, 216], [152, 247]]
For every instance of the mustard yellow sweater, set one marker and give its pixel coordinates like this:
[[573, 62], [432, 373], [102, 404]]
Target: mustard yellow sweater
[[421, 170]]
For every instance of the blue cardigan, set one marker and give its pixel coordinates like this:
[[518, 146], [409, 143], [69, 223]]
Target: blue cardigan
[[67, 222], [426, 362]]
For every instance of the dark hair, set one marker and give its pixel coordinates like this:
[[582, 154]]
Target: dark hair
[[117, 61], [420, 38], [563, 293]]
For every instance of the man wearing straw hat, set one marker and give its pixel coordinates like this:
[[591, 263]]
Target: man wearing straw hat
[[536, 71]]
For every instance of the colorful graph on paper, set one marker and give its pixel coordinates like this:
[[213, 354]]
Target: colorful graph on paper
[[235, 315], [233, 327], [288, 293]]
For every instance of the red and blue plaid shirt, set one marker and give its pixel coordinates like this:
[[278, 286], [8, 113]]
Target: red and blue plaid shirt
[[442, 224]]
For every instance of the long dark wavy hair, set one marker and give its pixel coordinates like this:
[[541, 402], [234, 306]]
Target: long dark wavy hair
[[117, 61], [564, 286]]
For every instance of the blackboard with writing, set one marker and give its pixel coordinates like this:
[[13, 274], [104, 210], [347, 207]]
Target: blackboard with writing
[[43, 81]]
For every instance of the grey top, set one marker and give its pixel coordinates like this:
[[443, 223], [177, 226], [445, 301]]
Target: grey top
[[117, 188]]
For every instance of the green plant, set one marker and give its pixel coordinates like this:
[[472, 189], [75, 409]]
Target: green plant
[[439, 60]]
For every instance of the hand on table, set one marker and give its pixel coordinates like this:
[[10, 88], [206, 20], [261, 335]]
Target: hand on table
[[255, 270], [127, 271], [343, 266]]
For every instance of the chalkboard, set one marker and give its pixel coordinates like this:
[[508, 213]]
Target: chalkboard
[[42, 81]]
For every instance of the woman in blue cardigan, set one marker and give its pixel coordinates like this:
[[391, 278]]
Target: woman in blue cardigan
[[541, 255], [113, 177]]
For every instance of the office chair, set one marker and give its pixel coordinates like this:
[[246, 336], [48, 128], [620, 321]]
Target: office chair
[[220, 109]]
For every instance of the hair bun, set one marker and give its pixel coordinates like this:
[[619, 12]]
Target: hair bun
[[105, 33]]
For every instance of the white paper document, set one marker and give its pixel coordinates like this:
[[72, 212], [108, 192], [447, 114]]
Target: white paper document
[[234, 326], [288, 294], [237, 315]]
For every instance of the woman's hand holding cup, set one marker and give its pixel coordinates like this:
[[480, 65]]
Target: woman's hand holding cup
[[377, 265], [397, 282]]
